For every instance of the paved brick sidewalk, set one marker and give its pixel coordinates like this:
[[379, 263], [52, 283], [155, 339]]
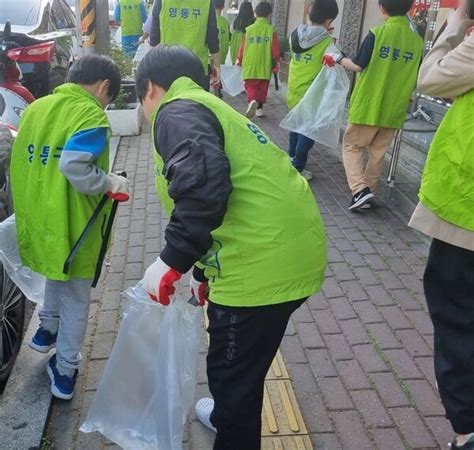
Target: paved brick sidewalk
[[359, 353]]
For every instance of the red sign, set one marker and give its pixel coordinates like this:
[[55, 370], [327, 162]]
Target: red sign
[[420, 5]]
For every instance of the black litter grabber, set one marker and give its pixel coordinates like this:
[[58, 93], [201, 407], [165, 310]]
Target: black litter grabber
[[116, 198]]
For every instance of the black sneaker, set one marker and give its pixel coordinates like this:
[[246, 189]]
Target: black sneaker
[[469, 445], [360, 199]]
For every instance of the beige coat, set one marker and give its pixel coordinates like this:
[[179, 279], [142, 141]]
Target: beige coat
[[447, 71]]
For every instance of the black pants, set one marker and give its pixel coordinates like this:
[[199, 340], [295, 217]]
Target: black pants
[[243, 343], [449, 290]]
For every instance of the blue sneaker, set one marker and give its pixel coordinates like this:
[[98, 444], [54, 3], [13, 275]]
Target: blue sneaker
[[62, 386], [43, 341]]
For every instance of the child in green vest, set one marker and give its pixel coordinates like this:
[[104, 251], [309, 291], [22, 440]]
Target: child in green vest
[[228, 190], [224, 36], [308, 45], [388, 61], [59, 174], [259, 57], [240, 24], [130, 15]]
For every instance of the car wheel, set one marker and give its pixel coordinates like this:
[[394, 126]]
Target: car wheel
[[12, 317]]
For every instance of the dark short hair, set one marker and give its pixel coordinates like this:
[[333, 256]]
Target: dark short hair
[[165, 64], [322, 10], [263, 9], [396, 7], [219, 4], [93, 68]]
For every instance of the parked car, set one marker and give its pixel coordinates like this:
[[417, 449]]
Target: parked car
[[39, 21]]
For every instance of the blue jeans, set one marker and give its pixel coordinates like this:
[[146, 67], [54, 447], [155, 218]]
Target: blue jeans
[[130, 45], [299, 148]]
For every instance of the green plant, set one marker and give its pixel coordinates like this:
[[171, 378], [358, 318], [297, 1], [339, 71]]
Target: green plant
[[125, 64], [121, 101]]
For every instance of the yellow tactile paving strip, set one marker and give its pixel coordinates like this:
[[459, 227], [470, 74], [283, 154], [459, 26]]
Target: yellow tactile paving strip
[[283, 426]]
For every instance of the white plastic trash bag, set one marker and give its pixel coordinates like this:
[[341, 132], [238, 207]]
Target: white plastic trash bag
[[149, 382], [142, 50], [319, 114], [118, 36], [31, 283], [231, 78]]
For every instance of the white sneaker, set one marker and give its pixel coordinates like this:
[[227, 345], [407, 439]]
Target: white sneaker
[[307, 174], [260, 113], [204, 408], [252, 109]]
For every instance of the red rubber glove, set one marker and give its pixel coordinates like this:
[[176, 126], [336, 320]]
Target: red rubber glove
[[159, 282], [276, 69]]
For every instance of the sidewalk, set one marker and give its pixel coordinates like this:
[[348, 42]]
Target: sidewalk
[[359, 354]]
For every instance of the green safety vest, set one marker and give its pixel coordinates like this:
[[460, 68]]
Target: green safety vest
[[186, 24], [235, 43], [304, 68], [131, 17], [382, 92], [50, 213], [271, 246], [257, 61], [223, 28], [447, 186]]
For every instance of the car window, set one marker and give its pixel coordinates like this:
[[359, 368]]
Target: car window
[[61, 16], [20, 12]]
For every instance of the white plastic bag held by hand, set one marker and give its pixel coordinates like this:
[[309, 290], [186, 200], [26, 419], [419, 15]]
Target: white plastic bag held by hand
[[31, 283], [320, 112], [149, 382], [231, 78], [142, 50]]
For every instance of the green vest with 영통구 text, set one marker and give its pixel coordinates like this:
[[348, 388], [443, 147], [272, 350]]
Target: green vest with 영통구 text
[[447, 186], [131, 17], [223, 28], [271, 246], [185, 23], [304, 68], [257, 61], [382, 93], [235, 43], [50, 213]]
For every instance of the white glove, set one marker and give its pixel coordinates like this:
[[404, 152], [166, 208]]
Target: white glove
[[159, 281], [117, 184], [199, 291]]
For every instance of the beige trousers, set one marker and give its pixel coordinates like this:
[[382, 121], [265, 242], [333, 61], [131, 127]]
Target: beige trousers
[[356, 139]]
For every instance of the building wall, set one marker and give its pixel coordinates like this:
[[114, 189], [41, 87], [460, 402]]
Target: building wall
[[372, 16]]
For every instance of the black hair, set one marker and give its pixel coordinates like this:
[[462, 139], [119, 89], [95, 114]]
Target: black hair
[[245, 17], [166, 63], [263, 9], [396, 7], [219, 4], [322, 10], [93, 68]]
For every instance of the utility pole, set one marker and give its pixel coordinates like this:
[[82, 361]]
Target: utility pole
[[102, 26], [93, 26]]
